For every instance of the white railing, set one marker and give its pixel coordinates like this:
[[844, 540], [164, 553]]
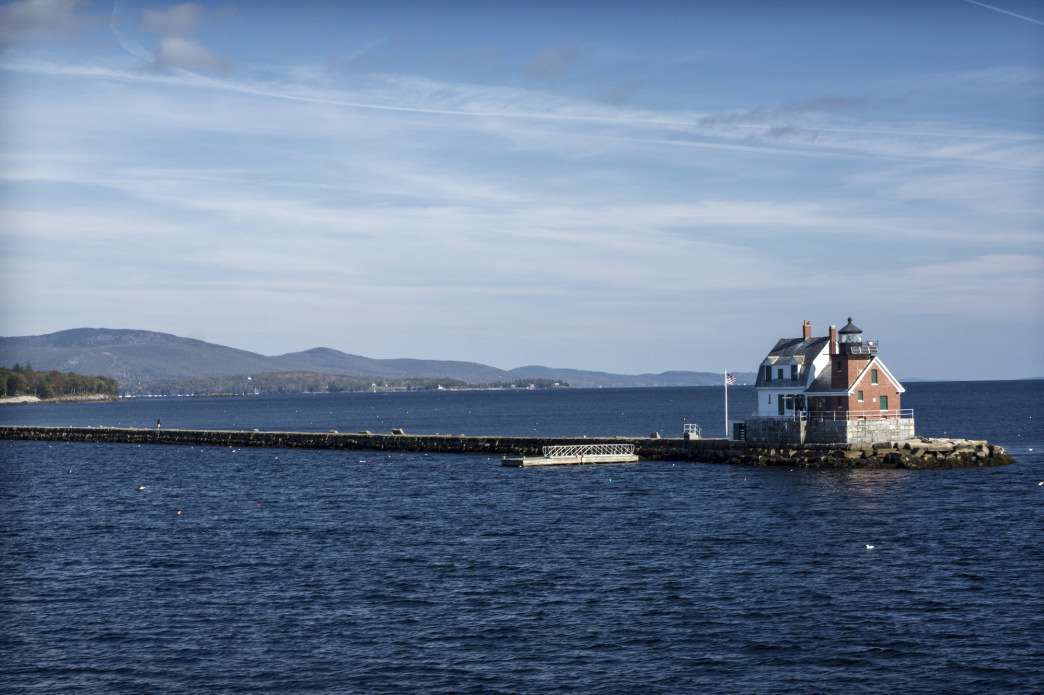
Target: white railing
[[692, 429], [818, 415], [902, 414], [584, 450]]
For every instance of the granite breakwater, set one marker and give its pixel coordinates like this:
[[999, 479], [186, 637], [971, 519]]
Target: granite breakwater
[[920, 452]]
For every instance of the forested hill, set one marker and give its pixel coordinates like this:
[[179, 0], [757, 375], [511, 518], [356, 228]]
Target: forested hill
[[25, 381], [133, 356]]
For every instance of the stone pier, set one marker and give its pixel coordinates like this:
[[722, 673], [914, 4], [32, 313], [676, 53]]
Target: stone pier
[[920, 452]]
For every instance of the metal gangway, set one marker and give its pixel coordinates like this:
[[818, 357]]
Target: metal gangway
[[588, 451], [574, 454]]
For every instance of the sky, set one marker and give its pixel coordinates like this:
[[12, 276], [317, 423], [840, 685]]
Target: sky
[[614, 186]]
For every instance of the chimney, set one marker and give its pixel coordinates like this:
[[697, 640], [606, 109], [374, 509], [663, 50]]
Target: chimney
[[806, 331], [833, 340]]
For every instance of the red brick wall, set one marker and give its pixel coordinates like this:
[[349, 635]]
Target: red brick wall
[[884, 387], [851, 365]]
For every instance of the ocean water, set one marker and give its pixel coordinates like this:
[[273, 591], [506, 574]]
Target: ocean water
[[291, 571]]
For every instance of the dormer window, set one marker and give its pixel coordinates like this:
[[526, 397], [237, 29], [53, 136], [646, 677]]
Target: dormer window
[[779, 373], [793, 372], [768, 372]]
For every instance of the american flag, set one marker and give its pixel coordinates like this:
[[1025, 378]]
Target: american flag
[[730, 380]]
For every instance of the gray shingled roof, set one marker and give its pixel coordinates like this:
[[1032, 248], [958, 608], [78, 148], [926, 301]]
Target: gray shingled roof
[[803, 352], [822, 384]]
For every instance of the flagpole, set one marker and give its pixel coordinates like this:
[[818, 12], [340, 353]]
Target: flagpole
[[726, 404]]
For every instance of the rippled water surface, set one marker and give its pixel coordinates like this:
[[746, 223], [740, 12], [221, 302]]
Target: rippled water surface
[[322, 571]]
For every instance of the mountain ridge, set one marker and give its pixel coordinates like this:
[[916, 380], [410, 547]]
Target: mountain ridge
[[131, 356]]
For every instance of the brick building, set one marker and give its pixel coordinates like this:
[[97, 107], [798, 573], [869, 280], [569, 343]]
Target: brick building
[[835, 386]]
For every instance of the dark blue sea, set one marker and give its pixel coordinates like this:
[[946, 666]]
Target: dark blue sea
[[290, 571]]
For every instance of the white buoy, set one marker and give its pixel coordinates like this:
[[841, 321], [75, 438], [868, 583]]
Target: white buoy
[[869, 547]]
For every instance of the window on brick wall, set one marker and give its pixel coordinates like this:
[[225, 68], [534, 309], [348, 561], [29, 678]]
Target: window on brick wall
[[873, 376], [860, 396]]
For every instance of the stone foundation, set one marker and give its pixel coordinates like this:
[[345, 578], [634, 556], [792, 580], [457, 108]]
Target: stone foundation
[[783, 431], [772, 431], [861, 431]]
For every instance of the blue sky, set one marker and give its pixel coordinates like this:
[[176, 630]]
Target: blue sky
[[589, 185]]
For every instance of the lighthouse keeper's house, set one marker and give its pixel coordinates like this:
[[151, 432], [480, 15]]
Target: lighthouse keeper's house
[[827, 389]]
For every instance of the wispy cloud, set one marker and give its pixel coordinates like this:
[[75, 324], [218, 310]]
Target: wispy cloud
[[39, 19], [179, 52], [553, 60], [998, 286], [178, 20], [738, 131], [176, 50], [622, 91], [1007, 12], [820, 104], [403, 182]]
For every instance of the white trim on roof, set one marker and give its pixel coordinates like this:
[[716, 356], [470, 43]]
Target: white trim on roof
[[876, 361]]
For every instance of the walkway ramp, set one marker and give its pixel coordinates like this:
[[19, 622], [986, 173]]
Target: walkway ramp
[[575, 455]]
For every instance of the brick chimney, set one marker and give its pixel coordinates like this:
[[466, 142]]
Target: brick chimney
[[806, 331], [833, 340]]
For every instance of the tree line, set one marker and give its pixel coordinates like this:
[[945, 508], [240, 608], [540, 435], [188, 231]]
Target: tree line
[[25, 381], [310, 382]]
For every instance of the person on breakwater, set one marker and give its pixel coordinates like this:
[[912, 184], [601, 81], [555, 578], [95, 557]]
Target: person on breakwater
[[157, 423]]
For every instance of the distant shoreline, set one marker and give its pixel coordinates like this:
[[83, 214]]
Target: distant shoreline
[[92, 398]]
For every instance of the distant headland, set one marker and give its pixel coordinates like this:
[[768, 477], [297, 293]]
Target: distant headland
[[151, 363]]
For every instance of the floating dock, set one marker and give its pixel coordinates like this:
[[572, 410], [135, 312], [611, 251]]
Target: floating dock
[[575, 455]]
